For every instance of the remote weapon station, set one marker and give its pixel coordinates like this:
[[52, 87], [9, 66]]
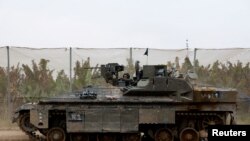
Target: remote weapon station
[[154, 105]]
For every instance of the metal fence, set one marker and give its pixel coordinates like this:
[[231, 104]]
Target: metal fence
[[65, 58]]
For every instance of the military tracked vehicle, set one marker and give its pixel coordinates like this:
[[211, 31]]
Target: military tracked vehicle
[[154, 105]]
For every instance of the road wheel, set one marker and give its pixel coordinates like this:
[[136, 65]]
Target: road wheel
[[189, 134], [56, 134], [164, 134]]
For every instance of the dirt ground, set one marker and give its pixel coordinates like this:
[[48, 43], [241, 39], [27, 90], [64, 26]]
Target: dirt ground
[[13, 135]]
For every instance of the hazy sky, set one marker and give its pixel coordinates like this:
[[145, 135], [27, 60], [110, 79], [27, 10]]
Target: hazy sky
[[125, 23]]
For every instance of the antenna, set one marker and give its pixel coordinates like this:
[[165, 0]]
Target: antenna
[[187, 46]]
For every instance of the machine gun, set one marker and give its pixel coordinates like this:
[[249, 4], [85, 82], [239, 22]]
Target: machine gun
[[110, 72]]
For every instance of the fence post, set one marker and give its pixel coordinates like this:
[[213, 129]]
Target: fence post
[[70, 69], [8, 83], [130, 56]]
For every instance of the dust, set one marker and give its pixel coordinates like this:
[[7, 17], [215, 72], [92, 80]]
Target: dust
[[13, 135]]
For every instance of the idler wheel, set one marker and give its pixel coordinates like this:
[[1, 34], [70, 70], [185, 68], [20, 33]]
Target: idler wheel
[[189, 134], [79, 137], [56, 134], [24, 123], [131, 137], [211, 120], [164, 134]]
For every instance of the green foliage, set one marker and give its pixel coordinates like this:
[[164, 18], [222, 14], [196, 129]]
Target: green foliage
[[96, 78], [203, 72], [82, 75], [15, 82], [226, 75], [62, 83], [187, 65], [3, 82], [38, 81], [220, 74]]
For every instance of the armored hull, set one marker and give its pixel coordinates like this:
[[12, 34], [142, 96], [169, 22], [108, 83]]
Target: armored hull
[[154, 108]]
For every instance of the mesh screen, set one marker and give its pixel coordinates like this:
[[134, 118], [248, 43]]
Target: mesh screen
[[59, 58], [3, 57], [208, 56], [100, 56]]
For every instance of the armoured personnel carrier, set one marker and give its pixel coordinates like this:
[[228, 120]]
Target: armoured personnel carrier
[[155, 105]]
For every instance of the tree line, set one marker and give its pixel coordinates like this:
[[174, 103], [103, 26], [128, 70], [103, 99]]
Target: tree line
[[37, 81]]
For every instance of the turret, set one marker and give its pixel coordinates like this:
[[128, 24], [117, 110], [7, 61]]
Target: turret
[[151, 80], [156, 80]]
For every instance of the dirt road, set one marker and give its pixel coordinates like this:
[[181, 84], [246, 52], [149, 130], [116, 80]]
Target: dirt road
[[13, 135]]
